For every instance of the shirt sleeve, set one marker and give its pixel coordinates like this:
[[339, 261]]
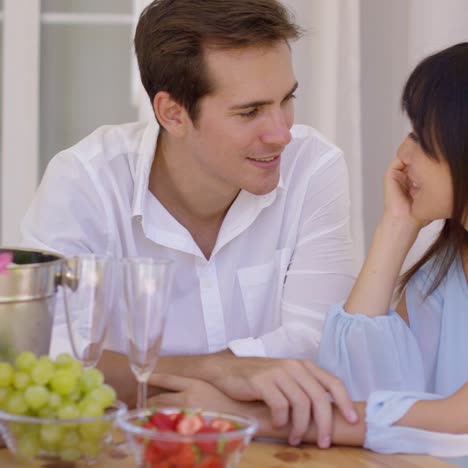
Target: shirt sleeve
[[322, 268], [66, 216], [383, 352], [384, 408], [371, 353]]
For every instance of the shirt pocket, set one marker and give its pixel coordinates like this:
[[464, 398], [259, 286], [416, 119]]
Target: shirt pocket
[[261, 289]]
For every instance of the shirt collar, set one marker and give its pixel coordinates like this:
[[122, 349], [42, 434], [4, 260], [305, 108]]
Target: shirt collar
[[143, 166], [146, 153]]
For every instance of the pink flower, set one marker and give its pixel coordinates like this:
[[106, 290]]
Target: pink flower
[[5, 259]]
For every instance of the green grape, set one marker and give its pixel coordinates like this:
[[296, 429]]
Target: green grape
[[17, 428], [70, 454], [90, 409], [75, 396], [110, 394], [91, 379], [16, 404], [68, 411], [25, 361], [63, 360], [47, 412], [28, 444], [55, 400], [36, 396], [90, 448], [6, 374], [71, 438], [30, 427], [42, 371], [93, 430], [104, 395], [4, 394], [50, 448], [60, 390], [21, 380], [76, 368], [63, 382], [51, 434]]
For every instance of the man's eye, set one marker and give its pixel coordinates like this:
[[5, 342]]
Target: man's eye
[[250, 113]]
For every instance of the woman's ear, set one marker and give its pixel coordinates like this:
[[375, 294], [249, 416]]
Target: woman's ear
[[170, 114]]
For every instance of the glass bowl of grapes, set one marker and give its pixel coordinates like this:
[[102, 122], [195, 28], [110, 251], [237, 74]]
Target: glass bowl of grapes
[[186, 438], [56, 412]]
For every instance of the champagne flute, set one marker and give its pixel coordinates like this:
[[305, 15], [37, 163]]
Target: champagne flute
[[87, 296], [147, 284]]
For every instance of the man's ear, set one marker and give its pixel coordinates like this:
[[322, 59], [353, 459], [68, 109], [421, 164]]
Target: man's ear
[[170, 114]]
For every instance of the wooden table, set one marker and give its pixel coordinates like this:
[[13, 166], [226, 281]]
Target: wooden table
[[272, 455]]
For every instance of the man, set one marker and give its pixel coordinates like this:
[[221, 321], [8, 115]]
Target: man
[[254, 214]]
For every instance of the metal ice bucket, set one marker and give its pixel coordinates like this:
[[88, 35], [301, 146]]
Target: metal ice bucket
[[27, 301]]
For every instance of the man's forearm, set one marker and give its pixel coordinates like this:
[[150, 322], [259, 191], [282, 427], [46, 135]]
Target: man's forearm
[[207, 367], [118, 374]]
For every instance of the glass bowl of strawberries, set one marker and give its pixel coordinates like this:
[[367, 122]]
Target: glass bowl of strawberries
[[186, 438]]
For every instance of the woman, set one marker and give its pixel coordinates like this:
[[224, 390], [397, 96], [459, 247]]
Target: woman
[[416, 355], [422, 346]]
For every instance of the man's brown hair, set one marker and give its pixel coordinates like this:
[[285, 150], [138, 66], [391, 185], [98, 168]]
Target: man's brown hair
[[171, 36]]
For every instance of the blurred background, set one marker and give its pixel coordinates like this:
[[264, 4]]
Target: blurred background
[[67, 67]]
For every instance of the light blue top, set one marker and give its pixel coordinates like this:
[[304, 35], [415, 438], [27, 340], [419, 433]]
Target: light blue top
[[383, 355]]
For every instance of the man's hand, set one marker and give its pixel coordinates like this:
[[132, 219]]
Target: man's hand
[[287, 385], [192, 393], [183, 392]]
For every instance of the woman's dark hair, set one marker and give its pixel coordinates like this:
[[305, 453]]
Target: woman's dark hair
[[435, 98], [171, 37]]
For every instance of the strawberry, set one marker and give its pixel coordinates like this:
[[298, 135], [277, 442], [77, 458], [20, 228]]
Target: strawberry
[[221, 425], [166, 447], [160, 464], [148, 425], [162, 421], [208, 446], [212, 461], [176, 417], [233, 445], [190, 424], [184, 458]]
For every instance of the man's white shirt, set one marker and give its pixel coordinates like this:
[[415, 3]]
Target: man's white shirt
[[280, 260]]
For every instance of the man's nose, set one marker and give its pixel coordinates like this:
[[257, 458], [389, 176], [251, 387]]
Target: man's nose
[[277, 131]]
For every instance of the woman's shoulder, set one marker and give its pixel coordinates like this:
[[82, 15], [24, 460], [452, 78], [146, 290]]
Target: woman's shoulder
[[452, 284], [420, 287]]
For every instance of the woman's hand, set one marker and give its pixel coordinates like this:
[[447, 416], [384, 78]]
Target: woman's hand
[[397, 198], [395, 234], [397, 201]]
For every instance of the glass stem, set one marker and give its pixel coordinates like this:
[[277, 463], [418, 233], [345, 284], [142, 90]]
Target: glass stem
[[142, 394]]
